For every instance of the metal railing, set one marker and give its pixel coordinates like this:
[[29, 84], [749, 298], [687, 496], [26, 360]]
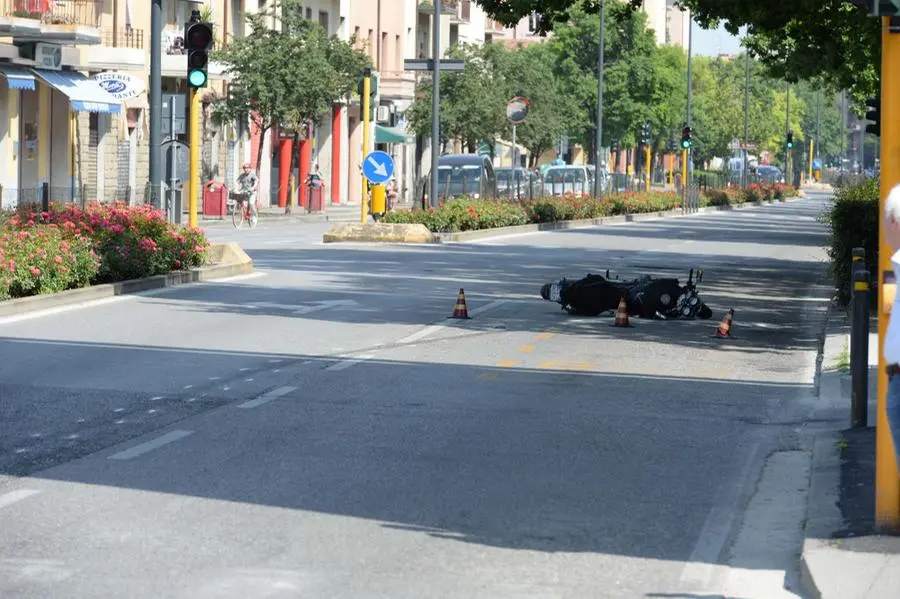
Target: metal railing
[[51, 12], [122, 38]]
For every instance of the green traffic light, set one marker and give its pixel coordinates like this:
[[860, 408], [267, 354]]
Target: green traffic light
[[197, 78], [685, 144]]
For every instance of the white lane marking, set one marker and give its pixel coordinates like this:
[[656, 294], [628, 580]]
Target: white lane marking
[[119, 346], [347, 363], [701, 564], [114, 300], [12, 497], [440, 325], [143, 448], [267, 397]]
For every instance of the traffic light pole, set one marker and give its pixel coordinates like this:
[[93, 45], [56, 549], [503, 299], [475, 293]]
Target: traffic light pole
[[887, 482], [194, 165], [647, 149], [364, 200]]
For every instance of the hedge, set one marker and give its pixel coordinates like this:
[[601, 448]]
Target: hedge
[[853, 222], [466, 214], [68, 247]]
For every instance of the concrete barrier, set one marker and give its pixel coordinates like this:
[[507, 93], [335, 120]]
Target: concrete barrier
[[379, 233], [223, 260]]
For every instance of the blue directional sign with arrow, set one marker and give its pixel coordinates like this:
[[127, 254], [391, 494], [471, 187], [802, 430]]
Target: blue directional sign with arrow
[[378, 167]]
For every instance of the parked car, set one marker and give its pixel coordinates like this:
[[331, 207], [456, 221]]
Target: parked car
[[524, 183], [464, 175], [568, 180]]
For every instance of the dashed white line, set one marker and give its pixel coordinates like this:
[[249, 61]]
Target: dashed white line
[[267, 397], [348, 362], [143, 448], [12, 497]]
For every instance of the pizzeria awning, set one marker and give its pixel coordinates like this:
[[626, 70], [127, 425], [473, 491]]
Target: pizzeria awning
[[85, 95]]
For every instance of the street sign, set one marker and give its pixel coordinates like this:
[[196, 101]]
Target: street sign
[[174, 108], [378, 167], [423, 64], [517, 110]]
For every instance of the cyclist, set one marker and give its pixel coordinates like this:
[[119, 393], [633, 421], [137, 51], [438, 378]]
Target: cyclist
[[247, 184]]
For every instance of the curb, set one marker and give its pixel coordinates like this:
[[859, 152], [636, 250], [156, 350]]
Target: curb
[[234, 262], [591, 222]]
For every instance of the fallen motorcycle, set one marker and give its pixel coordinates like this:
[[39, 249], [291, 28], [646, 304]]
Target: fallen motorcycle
[[645, 296]]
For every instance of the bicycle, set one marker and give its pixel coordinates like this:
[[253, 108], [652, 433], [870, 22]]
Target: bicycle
[[242, 211]]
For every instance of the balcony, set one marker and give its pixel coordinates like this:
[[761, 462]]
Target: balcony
[[122, 38], [447, 7], [119, 49], [53, 21], [494, 28], [463, 14], [397, 85]]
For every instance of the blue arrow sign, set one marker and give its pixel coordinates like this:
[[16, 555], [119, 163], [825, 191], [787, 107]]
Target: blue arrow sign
[[378, 167]]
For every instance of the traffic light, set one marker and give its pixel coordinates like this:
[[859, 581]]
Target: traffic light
[[198, 41], [790, 139], [686, 137], [614, 146], [873, 114], [645, 133], [373, 95]]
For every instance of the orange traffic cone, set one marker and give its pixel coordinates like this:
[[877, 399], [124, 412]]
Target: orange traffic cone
[[724, 329], [622, 314], [460, 310]]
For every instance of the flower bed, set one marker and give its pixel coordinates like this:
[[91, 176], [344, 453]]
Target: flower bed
[[466, 214], [68, 247], [755, 192]]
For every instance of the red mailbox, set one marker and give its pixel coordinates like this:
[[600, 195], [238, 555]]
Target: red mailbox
[[316, 198], [215, 199]]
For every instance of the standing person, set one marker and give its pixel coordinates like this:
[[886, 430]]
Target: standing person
[[891, 225], [247, 184], [392, 193]]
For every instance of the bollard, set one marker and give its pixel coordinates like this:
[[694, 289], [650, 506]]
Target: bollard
[[859, 351], [857, 262], [45, 197]]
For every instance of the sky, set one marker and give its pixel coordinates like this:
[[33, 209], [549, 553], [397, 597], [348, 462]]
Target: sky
[[714, 42]]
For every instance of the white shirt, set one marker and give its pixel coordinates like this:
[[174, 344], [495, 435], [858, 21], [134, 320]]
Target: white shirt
[[892, 337]]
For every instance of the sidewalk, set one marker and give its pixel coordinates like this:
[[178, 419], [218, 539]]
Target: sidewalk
[[843, 557]]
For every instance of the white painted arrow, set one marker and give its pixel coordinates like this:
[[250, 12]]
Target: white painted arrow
[[380, 169]]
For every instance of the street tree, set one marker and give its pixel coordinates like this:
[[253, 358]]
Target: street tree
[[288, 75], [529, 71], [472, 101]]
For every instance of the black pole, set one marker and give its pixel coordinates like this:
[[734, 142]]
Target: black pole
[[45, 196], [859, 350]]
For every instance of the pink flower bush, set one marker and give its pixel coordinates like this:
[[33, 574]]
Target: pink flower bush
[[67, 247]]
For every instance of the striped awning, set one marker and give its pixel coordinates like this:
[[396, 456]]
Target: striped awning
[[85, 95], [17, 77]]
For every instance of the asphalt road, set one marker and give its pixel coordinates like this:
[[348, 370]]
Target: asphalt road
[[321, 429]]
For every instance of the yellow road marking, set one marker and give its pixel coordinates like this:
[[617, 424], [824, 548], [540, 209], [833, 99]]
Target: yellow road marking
[[488, 376], [527, 348], [544, 336], [557, 365], [507, 363]]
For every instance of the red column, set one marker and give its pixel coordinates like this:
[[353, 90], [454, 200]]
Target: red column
[[305, 151], [284, 170], [336, 154], [255, 140]]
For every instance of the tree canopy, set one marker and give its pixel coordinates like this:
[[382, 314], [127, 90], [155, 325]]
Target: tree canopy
[[830, 40]]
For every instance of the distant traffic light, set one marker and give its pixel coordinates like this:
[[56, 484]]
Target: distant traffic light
[[198, 41], [790, 139], [686, 137], [373, 94], [614, 146], [646, 133], [873, 114]]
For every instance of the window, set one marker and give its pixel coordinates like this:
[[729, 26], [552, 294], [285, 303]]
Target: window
[[323, 21], [398, 54], [383, 59]]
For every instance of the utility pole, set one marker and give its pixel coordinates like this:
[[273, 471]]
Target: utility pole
[[843, 127], [367, 88], [887, 483], [598, 187], [435, 101], [155, 124], [788, 169], [818, 115], [746, 117]]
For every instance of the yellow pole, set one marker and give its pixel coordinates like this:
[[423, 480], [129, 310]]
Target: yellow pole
[[365, 149], [194, 170], [887, 482], [810, 159], [684, 179], [671, 166], [648, 168]]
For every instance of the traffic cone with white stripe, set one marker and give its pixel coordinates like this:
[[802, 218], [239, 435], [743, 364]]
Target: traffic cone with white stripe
[[723, 331], [460, 310], [622, 319]]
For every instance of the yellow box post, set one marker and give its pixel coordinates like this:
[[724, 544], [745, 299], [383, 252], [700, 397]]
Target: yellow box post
[[378, 199], [367, 82], [887, 481], [194, 158]]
